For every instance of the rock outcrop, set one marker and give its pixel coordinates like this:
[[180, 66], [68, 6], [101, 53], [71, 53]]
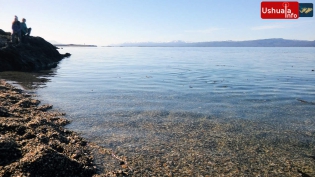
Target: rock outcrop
[[34, 53]]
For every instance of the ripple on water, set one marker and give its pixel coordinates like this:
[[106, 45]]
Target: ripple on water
[[188, 111]]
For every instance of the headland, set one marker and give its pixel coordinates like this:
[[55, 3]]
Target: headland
[[34, 53]]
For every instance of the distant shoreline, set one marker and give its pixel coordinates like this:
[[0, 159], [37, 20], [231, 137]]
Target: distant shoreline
[[274, 42], [73, 45], [172, 46]]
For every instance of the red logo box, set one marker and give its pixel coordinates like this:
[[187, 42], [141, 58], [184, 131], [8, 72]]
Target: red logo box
[[279, 10]]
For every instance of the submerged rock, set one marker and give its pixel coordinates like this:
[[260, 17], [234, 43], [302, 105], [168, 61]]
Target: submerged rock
[[34, 53]]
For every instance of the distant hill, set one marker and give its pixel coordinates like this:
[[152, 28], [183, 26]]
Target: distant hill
[[73, 45], [274, 42], [54, 42], [58, 44]]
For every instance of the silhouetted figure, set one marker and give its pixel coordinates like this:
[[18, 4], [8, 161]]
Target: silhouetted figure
[[16, 30], [24, 30]]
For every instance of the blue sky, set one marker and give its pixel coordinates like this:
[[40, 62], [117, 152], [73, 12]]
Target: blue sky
[[105, 22]]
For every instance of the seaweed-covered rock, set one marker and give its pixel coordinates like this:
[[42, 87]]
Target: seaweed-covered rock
[[34, 53], [4, 112], [33, 141], [9, 151]]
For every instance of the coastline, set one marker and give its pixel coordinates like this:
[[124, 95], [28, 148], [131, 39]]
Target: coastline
[[73, 45], [32, 54], [34, 142]]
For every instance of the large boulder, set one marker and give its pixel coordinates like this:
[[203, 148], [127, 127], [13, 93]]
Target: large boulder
[[35, 53]]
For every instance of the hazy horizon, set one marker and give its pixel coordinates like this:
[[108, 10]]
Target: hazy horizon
[[174, 41], [106, 22]]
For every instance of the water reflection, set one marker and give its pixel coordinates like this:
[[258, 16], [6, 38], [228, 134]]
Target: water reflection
[[28, 80]]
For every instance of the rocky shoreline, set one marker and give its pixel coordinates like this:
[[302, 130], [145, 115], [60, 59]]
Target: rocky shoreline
[[34, 53], [34, 142]]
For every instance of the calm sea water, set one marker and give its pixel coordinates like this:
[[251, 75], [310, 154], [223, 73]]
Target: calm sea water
[[100, 87], [247, 83]]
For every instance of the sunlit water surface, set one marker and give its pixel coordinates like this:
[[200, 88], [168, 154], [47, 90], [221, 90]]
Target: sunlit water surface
[[246, 83], [114, 96]]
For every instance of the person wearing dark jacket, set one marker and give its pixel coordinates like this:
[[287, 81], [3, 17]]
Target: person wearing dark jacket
[[24, 30], [16, 30]]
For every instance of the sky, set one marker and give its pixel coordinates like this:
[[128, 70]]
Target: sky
[[106, 22]]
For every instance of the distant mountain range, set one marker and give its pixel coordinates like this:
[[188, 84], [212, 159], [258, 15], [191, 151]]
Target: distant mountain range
[[274, 42]]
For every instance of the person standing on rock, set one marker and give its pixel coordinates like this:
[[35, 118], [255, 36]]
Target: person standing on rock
[[16, 30], [24, 30]]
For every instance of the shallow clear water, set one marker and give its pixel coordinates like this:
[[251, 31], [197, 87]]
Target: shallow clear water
[[120, 92], [247, 83]]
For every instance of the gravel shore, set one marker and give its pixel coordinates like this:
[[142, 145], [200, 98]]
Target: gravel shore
[[34, 142]]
